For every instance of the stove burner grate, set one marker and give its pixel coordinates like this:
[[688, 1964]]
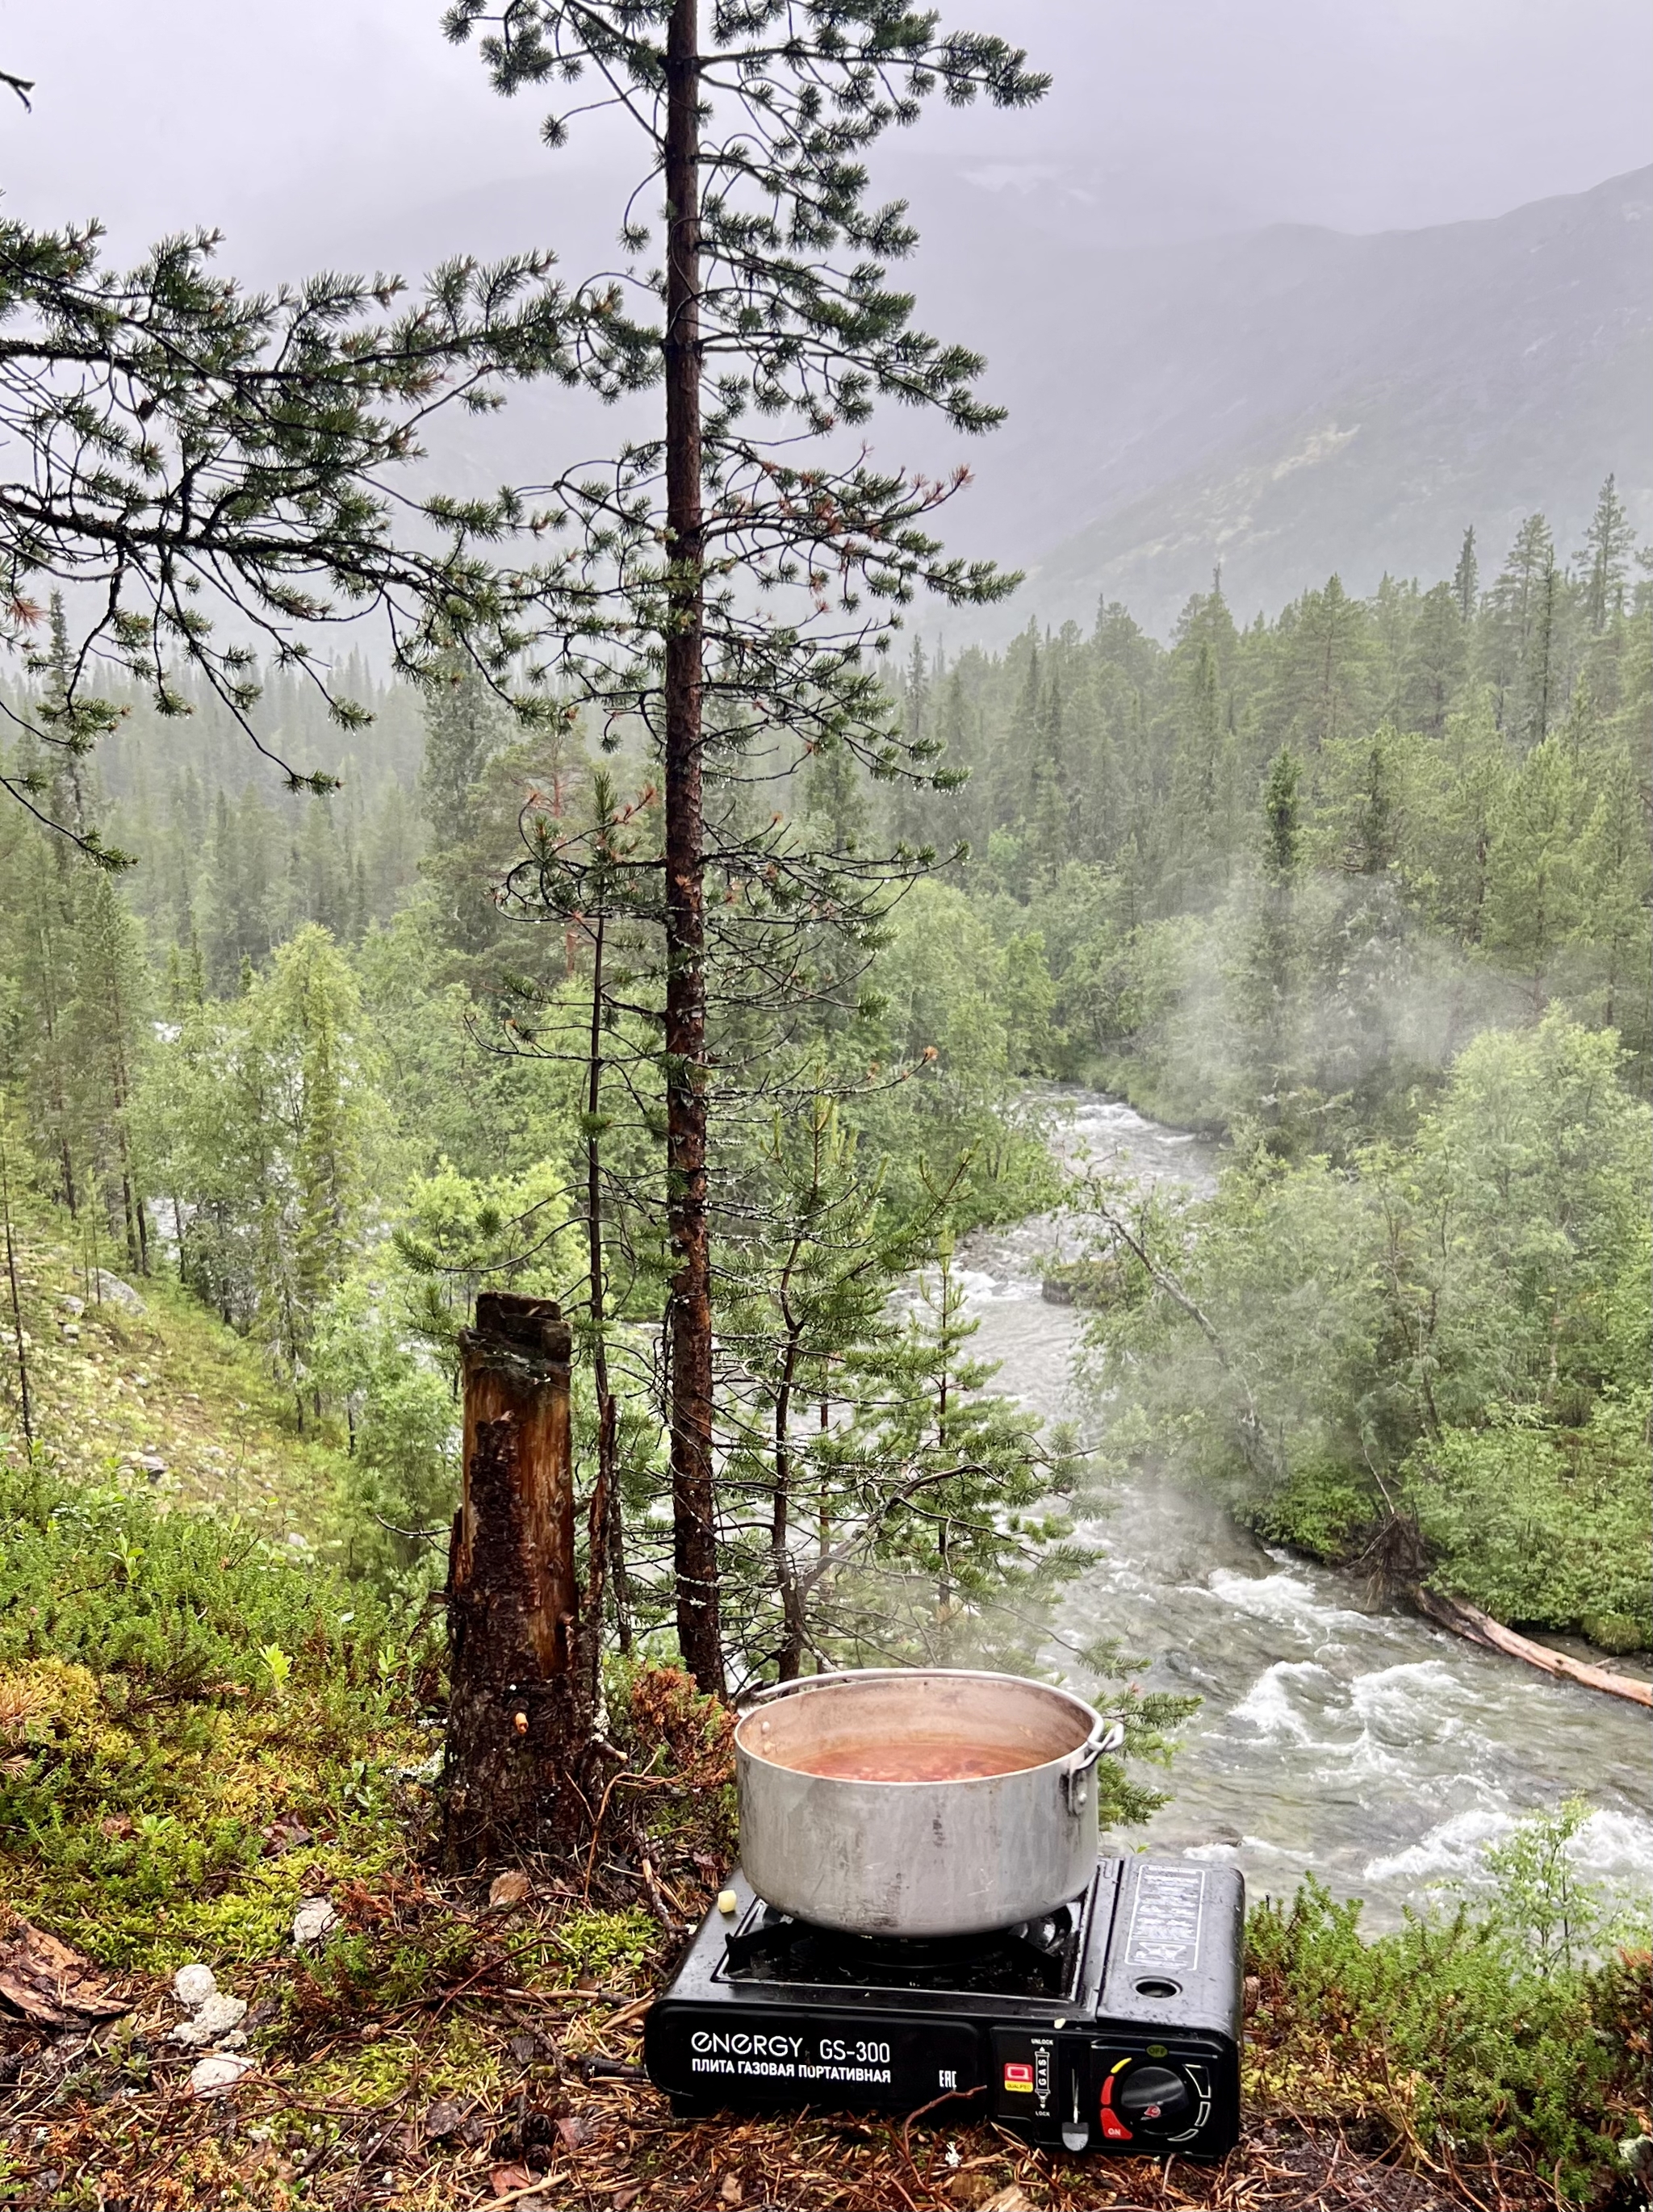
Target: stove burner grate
[[1038, 1958]]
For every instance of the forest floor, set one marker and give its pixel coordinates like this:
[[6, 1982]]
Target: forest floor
[[490, 2085], [134, 1378], [442, 2043]]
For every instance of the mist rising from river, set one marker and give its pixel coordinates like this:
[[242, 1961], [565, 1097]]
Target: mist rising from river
[[1337, 1737]]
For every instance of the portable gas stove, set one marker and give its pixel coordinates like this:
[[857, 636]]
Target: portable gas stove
[[1111, 2024]]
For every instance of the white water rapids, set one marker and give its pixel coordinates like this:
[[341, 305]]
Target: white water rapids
[[1337, 1737]]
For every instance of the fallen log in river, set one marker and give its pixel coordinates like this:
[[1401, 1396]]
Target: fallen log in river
[[1469, 1621]]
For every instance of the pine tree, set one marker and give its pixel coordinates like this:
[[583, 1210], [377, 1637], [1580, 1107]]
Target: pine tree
[[755, 127], [944, 1557], [243, 439]]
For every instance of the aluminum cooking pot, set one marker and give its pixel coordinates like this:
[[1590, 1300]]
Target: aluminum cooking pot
[[981, 1811]]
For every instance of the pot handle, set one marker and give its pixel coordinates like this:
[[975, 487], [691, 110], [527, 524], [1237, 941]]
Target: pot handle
[[1106, 1736], [768, 1691]]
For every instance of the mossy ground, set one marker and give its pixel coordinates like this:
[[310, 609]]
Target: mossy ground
[[200, 1725], [109, 1385]]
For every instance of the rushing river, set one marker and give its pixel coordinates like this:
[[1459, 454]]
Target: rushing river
[[1337, 1736]]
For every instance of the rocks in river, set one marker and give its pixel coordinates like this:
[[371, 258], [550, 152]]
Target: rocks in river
[[1094, 1282], [1188, 1668]]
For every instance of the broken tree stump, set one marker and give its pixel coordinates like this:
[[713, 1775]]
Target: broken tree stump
[[519, 1729]]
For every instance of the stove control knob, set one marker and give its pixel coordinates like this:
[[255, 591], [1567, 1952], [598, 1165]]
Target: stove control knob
[[1155, 2099]]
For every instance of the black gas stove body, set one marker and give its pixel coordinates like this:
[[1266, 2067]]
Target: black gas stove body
[[1113, 2024]]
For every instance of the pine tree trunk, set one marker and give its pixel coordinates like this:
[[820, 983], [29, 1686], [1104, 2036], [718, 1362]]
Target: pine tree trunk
[[600, 1544], [693, 1526], [790, 1656], [519, 1720]]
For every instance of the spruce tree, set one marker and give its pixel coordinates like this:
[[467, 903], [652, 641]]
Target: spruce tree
[[110, 1035], [1609, 543], [1051, 828], [1518, 599], [1436, 662], [1465, 579]]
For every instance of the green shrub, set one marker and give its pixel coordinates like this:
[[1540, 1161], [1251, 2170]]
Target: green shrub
[[1481, 2029], [1543, 1526], [182, 1603]]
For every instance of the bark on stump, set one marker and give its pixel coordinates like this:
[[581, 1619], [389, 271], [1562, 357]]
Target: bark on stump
[[518, 1726]]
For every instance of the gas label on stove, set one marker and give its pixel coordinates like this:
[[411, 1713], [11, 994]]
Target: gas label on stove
[[1166, 1922], [803, 2058], [807, 2057]]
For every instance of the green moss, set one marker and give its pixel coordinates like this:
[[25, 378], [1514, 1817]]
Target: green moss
[[147, 1739], [606, 1944]]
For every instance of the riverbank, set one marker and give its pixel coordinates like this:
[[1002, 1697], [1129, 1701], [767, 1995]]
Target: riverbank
[[1425, 1358], [1341, 1735]]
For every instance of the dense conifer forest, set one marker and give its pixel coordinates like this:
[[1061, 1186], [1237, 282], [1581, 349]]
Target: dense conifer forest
[[1365, 889]]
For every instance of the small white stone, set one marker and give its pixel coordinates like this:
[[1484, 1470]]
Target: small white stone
[[193, 1985], [211, 2077], [728, 1900], [215, 2018], [314, 1918]]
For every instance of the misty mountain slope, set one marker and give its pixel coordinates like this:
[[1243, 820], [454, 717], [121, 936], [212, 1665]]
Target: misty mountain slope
[[1287, 400], [1293, 402]]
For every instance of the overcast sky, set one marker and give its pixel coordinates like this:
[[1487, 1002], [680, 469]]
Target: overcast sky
[[301, 128]]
